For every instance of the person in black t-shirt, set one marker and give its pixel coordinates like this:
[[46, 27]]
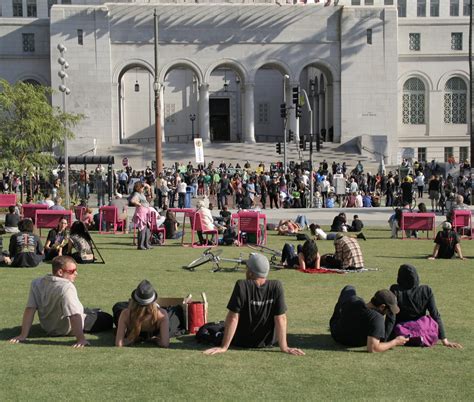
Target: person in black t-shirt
[[11, 220], [447, 243], [257, 311], [356, 323]]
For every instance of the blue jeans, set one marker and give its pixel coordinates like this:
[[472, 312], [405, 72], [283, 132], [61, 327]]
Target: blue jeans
[[302, 221]]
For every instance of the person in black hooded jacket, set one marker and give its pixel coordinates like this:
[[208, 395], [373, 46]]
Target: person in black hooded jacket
[[414, 300]]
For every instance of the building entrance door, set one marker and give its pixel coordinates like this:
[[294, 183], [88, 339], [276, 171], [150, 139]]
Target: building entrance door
[[219, 119]]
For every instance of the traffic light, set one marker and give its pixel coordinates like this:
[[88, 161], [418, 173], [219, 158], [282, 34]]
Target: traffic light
[[283, 110], [296, 95], [298, 111], [278, 148], [291, 135], [303, 143]]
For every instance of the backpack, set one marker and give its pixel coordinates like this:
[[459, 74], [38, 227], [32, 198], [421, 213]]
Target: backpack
[[211, 333]]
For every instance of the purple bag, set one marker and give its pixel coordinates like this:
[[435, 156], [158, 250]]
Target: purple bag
[[422, 332]]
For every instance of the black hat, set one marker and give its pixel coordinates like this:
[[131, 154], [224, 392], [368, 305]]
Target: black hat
[[144, 294], [388, 298]]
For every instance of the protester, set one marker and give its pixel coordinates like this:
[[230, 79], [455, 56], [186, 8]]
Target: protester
[[257, 311], [356, 323], [60, 312], [143, 319], [447, 243], [415, 301]]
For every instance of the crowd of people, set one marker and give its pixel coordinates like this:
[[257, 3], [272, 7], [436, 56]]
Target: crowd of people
[[404, 314]]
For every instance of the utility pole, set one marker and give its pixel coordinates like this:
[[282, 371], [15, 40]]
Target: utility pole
[[311, 135], [156, 89]]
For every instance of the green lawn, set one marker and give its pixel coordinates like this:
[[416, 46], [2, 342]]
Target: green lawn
[[48, 368]]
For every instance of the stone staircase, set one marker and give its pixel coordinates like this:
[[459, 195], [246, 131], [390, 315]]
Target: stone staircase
[[141, 155]]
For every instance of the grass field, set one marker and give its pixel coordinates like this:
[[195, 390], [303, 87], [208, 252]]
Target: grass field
[[48, 368]]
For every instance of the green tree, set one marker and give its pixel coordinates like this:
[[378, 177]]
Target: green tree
[[30, 127]]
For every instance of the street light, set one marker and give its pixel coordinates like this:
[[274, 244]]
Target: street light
[[192, 117], [65, 91]]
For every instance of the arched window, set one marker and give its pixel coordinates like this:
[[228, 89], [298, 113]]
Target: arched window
[[414, 101], [455, 100]]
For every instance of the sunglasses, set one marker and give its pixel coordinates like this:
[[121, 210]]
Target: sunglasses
[[70, 271]]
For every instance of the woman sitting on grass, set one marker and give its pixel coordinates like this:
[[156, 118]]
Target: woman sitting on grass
[[143, 319], [26, 250], [307, 256], [415, 301], [81, 241], [57, 239]]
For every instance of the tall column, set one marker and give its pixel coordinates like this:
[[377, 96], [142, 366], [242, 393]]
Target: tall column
[[249, 113], [329, 106], [204, 112], [336, 107], [322, 112], [162, 112], [316, 114]]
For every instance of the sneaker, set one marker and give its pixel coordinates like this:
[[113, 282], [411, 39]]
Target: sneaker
[[361, 236]]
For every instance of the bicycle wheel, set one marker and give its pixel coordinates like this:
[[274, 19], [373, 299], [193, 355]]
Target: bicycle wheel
[[264, 249], [207, 256]]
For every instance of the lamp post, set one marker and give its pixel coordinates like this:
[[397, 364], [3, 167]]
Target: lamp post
[[192, 117], [285, 121], [65, 91], [156, 89]]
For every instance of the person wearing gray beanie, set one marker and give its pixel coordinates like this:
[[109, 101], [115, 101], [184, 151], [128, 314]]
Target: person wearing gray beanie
[[257, 311]]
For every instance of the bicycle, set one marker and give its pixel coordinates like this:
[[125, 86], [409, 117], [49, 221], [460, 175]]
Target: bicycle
[[214, 256]]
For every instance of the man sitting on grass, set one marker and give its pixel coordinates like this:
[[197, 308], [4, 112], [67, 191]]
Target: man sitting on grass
[[447, 243], [257, 311], [356, 323], [59, 309]]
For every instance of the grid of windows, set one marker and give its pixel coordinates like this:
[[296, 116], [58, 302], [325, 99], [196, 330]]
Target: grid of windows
[[31, 8], [434, 8], [465, 8], [448, 153], [263, 113], [414, 41], [456, 40], [413, 102], [455, 101], [388, 3], [28, 42], [170, 109], [422, 155], [369, 36], [454, 8], [402, 8], [463, 154], [17, 8], [421, 8]]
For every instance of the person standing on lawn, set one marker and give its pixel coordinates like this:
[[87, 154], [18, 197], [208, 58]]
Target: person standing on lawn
[[257, 311], [60, 312], [357, 323]]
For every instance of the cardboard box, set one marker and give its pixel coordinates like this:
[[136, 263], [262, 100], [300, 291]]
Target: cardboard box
[[185, 302]]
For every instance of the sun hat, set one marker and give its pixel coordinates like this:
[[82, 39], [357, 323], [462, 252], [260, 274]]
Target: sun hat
[[144, 294]]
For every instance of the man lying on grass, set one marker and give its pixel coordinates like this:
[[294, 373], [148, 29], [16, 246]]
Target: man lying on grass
[[59, 309], [356, 323], [257, 311]]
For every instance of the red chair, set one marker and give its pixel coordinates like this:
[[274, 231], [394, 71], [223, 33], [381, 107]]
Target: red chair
[[108, 215], [79, 212], [252, 222], [462, 220], [196, 226], [47, 218], [29, 210], [7, 200], [153, 229]]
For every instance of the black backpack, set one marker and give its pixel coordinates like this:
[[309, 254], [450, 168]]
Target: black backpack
[[211, 333]]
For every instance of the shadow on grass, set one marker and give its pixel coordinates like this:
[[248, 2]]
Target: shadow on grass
[[38, 337]]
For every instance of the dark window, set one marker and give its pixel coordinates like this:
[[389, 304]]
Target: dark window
[[369, 2], [355, 3], [28, 42], [466, 7], [454, 8], [369, 36], [388, 2], [434, 8], [456, 40], [414, 41], [17, 8], [31, 8], [50, 4], [402, 8], [80, 37], [421, 8]]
